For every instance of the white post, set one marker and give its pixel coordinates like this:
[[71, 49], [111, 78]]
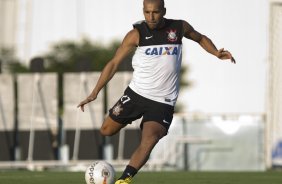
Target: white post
[[36, 80], [77, 130], [121, 144]]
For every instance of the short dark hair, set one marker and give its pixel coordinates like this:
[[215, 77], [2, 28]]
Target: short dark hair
[[162, 2]]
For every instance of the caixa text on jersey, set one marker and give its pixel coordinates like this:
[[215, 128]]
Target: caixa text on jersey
[[162, 51]]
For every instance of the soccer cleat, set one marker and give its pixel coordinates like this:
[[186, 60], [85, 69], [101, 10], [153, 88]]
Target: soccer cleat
[[125, 181]]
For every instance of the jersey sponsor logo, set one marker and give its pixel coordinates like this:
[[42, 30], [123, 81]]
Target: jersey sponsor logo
[[172, 37], [148, 37], [162, 51]]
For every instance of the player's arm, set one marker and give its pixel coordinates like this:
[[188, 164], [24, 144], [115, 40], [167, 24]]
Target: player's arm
[[206, 43], [128, 44]]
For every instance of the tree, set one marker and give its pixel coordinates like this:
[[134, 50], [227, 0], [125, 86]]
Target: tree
[[10, 63], [70, 56]]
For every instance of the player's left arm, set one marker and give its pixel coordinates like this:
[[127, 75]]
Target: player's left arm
[[206, 43]]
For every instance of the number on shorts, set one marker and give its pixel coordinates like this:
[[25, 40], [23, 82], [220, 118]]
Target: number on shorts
[[124, 99]]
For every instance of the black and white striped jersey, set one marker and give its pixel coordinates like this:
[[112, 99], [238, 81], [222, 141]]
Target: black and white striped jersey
[[157, 62]]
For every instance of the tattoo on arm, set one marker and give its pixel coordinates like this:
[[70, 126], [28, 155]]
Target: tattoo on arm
[[190, 33]]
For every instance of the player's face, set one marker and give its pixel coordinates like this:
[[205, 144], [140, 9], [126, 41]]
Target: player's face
[[154, 14]]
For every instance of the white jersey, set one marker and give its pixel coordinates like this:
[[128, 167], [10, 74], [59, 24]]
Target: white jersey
[[157, 62]]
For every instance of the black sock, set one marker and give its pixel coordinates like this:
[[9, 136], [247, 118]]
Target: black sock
[[128, 172]]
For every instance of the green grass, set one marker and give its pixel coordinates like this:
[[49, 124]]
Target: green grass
[[25, 177]]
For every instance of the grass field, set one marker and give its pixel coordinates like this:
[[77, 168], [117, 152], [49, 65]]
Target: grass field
[[25, 177]]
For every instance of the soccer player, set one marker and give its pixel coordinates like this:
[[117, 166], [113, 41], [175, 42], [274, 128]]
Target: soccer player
[[154, 88]]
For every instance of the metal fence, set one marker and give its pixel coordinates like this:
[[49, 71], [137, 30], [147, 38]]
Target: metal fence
[[33, 136]]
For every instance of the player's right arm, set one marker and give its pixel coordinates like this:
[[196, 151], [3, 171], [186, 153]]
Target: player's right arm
[[128, 44]]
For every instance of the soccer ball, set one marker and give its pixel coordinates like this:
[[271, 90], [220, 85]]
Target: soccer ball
[[100, 172]]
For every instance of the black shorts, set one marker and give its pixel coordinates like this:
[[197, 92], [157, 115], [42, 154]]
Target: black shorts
[[132, 106]]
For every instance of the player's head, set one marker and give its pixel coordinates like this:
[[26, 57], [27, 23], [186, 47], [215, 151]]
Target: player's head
[[154, 11]]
